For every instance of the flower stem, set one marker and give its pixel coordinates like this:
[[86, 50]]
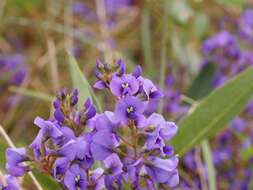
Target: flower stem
[[11, 144]]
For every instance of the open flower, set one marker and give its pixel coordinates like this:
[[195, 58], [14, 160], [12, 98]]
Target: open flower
[[75, 178], [103, 144], [75, 149], [48, 129], [114, 168], [124, 85], [9, 182], [128, 109], [60, 167], [15, 158], [163, 170]]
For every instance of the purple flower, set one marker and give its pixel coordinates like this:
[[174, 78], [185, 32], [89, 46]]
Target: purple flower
[[12, 69], [113, 6], [128, 109], [15, 158], [238, 124], [67, 135], [76, 149], [113, 164], [9, 183], [74, 97], [58, 115], [124, 85], [246, 25], [137, 71], [220, 155], [224, 41], [189, 160], [60, 167], [114, 168], [104, 121], [47, 130], [122, 67], [162, 132], [103, 144], [84, 11], [90, 110], [97, 179], [163, 170], [75, 178], [148, 89]]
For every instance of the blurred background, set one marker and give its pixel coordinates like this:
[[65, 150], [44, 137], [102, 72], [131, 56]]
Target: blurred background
[[188, 47]]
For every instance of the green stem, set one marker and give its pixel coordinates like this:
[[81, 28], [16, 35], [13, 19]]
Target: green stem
[[209, 163], [163, 56], [146, 40]]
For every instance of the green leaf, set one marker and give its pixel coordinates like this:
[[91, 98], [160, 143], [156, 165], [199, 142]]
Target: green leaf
[[31, 93], [80, 82], [207, 154], [46, 181], [214, 112], [202, 85], [163, 54]]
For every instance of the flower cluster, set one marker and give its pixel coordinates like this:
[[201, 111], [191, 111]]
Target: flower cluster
[[119, 149]]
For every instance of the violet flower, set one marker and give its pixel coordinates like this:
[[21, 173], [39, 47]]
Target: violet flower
[[130, 109], [9, 183], [75, 178], [101, 149], [15, 158], [124, 85]]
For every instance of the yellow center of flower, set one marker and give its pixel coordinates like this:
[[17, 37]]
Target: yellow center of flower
[[130, 109], [125, 85], [78, 177]]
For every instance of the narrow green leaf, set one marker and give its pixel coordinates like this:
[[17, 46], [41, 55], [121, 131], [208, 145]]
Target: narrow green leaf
[[202, 85], [146, 41], [207, 154], [79, 81], [214, 112], [47, 182], [163, 51], [31, 93]]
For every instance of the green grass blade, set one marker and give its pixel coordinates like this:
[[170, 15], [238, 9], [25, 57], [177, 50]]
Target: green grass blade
[[79, 81], [46, 181], [146, 41], [207, 154], [31, 93], [164, 41]]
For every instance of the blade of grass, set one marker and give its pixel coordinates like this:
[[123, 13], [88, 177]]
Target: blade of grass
[[146, 40], [163, 49], [31, 93], [55, 27], [80, 82], [53, 64], [2, 7], [101, 13], [207, 154]]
